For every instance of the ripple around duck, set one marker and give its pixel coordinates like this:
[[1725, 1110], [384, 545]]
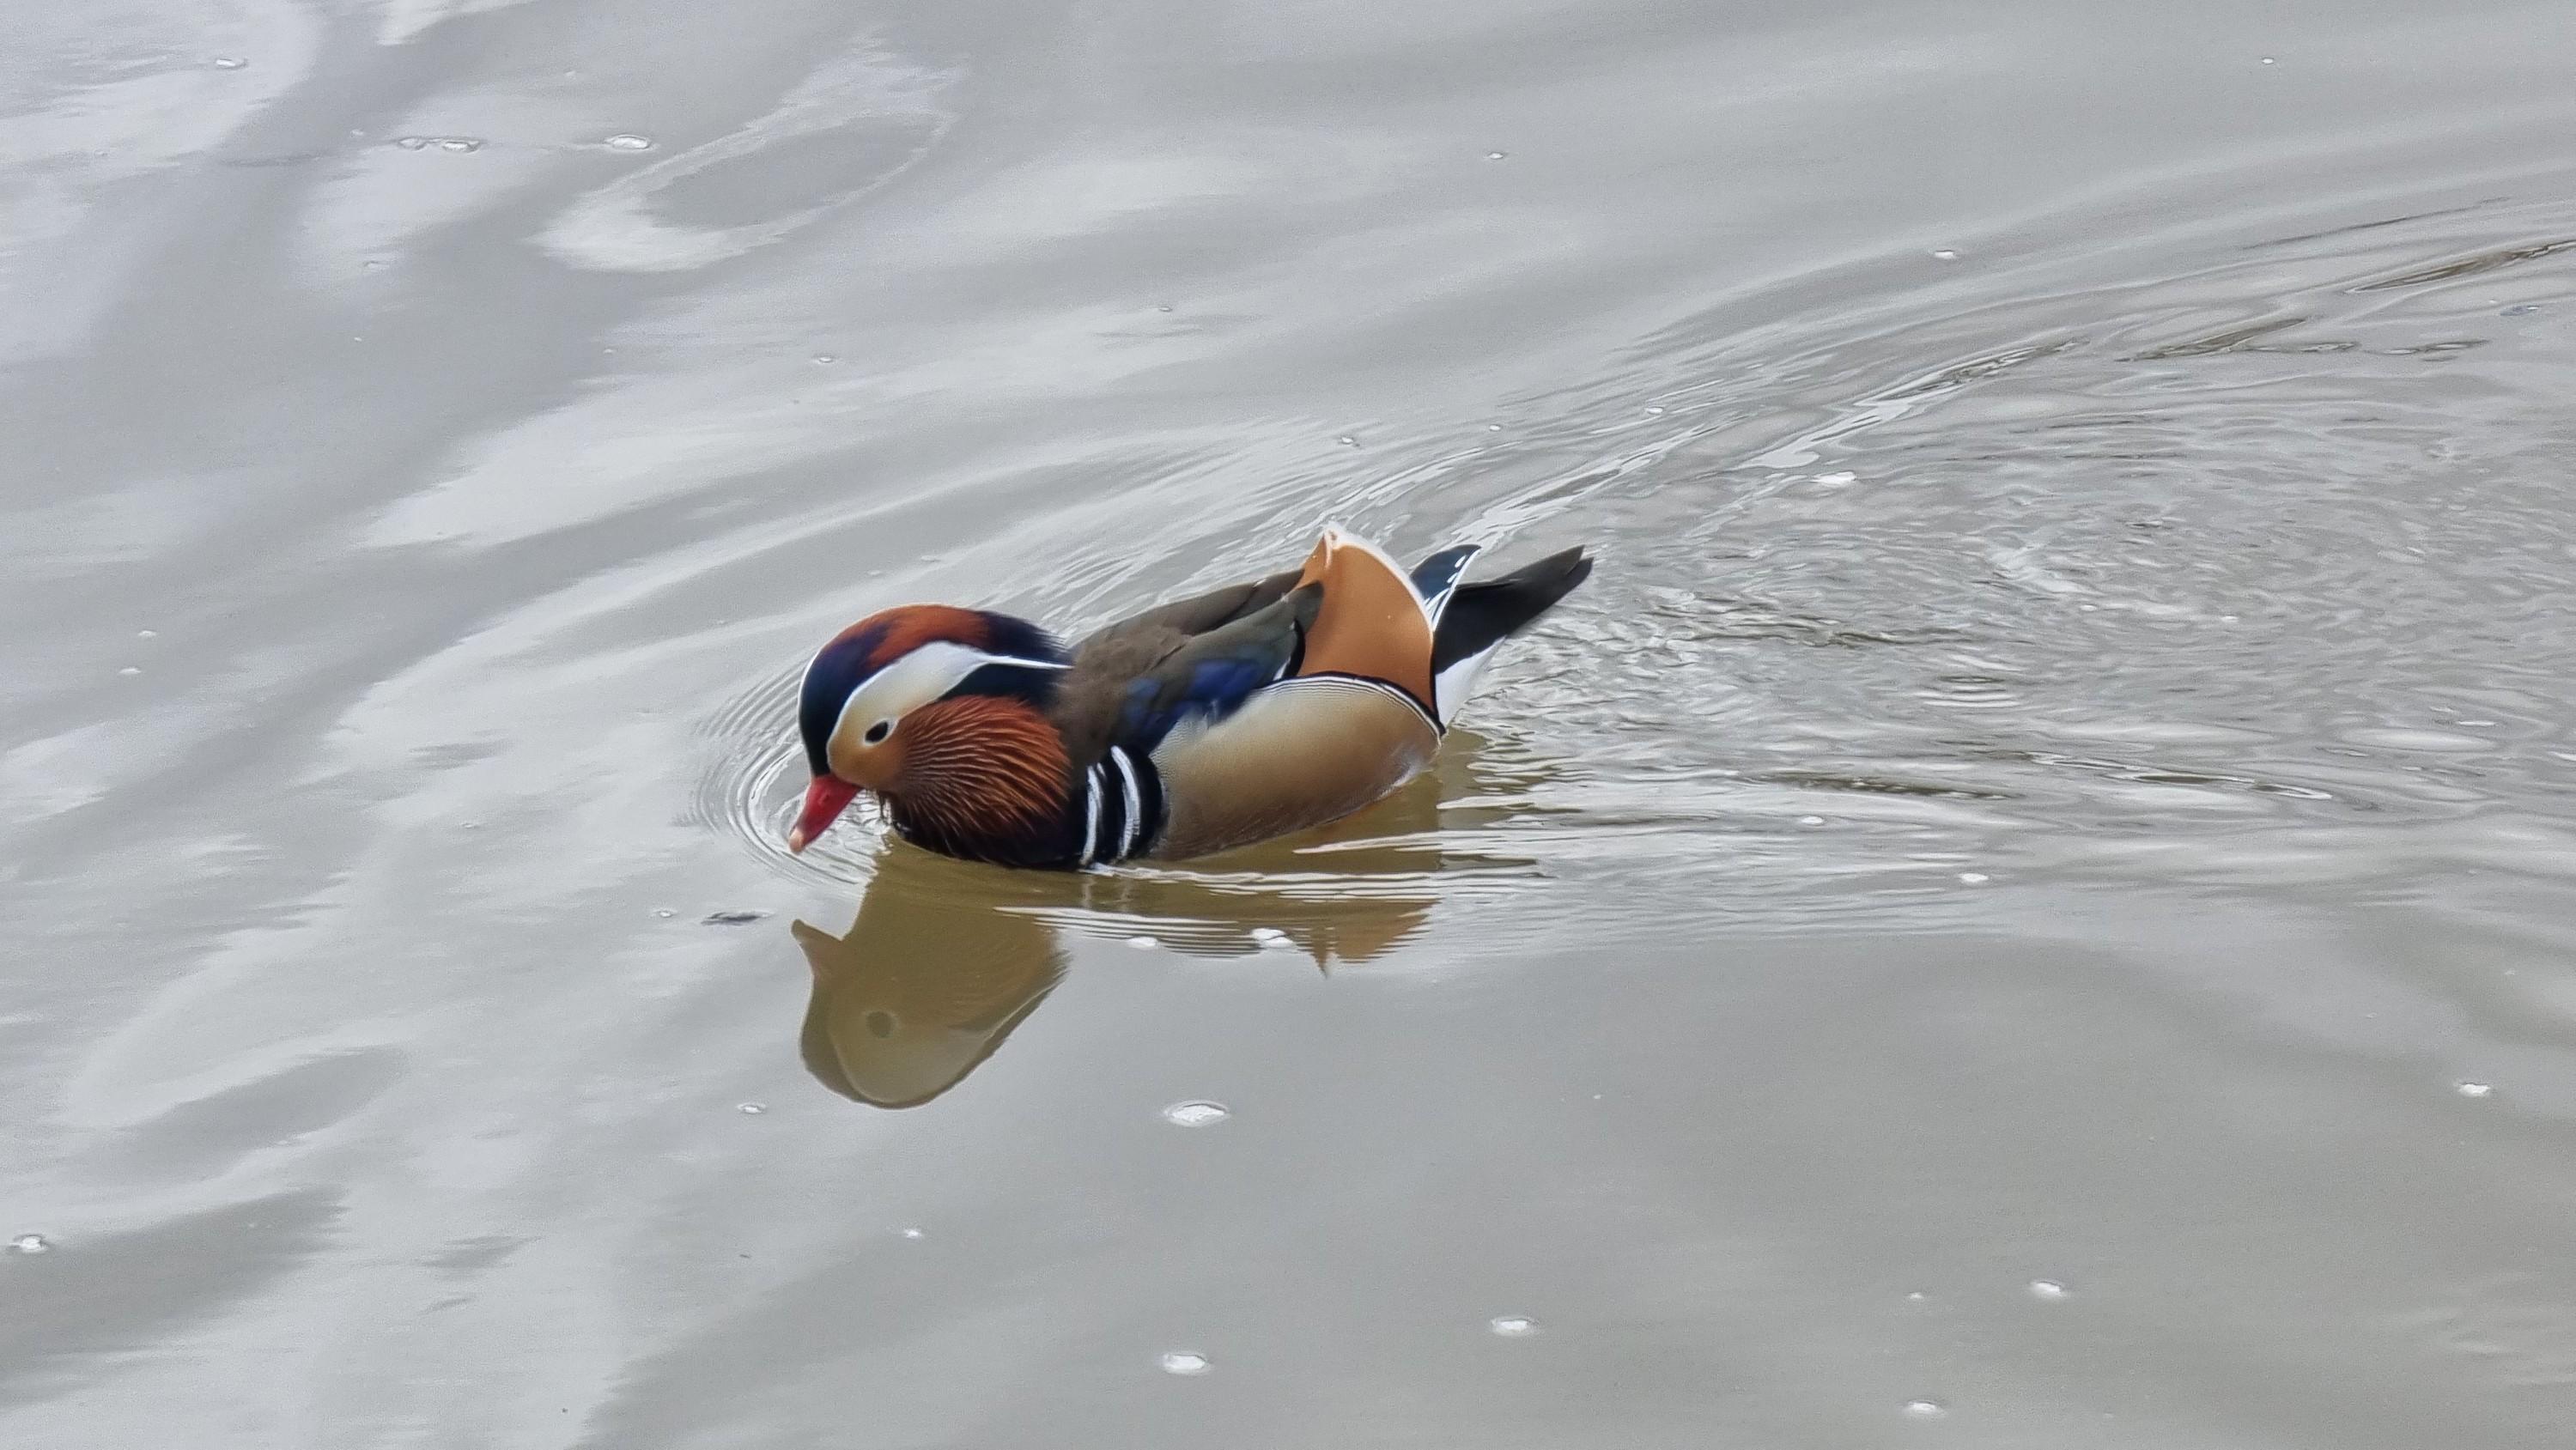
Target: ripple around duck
[[2068, 546], [2278, 513], [755, 778]]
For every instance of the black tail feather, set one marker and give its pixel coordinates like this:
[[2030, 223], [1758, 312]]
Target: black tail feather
[[1487, 611]]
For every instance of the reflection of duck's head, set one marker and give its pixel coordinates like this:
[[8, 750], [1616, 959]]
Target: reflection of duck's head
[[946, 958], [935, 972]]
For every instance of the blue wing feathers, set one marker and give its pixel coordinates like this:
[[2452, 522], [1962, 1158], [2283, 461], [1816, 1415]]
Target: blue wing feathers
[[1212, 687]]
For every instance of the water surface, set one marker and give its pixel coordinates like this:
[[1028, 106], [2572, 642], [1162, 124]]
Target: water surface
[[2062, 777]]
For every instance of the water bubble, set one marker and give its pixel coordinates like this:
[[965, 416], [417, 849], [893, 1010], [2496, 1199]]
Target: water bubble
[[754, 1109], [1811, 820], [1162, 307], [230, 62], [1917, 1297], [459, 143], [147, 634], [664, 912], [1926, 1409], [1512, 1326], [30, 1244], [1496, 155], [628, 141], [1143, 943], [2271, 60], [1837, 480], [1972, 877], [1655, 412], [411, 143], [912, 1233], [1493, 427], [1944, 254], [1347, 441], [1271, 936], [1186, 1361], [2474, 1089], [1195, 1114], [2521, 309], [130, 670], [2047, 1289], [825, 358]]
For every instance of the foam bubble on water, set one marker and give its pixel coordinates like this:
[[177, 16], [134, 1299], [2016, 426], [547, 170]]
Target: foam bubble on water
[[1512, 1326], [459, 143], [1195, 1114], [1811, 820], [147, 634], [1655, 412], [1347, 441], [1916, 1297], [1143, 943], [2271, 60], [825, 358], [1493, 427], [664, 912], [628, 141], [1496, 155], [130, 670], [1925, 1409], [751, 1108], [1186, 1361], [1271, 936], [1973, 877], [230, 62], [1944, 254], [30, 1244], [2048, 1290], [1837, 480], [2474, 1089]]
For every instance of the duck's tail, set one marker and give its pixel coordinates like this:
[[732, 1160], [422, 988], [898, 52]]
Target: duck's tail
[[1475, 619]]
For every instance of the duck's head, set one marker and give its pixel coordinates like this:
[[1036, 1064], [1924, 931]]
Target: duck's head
[[899, 701]]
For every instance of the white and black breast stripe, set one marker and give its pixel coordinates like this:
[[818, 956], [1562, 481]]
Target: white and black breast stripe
[[1122, 800], [1363, 682]]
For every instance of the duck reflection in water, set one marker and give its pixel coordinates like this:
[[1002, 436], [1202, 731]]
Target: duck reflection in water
[[947, 958]]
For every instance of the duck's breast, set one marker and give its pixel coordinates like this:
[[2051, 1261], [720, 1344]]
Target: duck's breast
[[1298, 754]]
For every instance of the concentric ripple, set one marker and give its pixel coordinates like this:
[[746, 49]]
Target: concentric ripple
[[755, 779]]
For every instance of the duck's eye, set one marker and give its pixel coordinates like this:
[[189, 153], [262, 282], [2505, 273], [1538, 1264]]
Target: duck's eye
[[878, 732]]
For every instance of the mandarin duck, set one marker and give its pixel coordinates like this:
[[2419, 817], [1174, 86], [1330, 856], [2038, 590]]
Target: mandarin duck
[[1198, 726]]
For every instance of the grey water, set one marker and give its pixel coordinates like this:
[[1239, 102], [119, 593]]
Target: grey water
[[2031, 901]]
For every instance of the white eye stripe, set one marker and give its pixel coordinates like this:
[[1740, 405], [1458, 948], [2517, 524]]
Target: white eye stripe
[[921, 677]]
